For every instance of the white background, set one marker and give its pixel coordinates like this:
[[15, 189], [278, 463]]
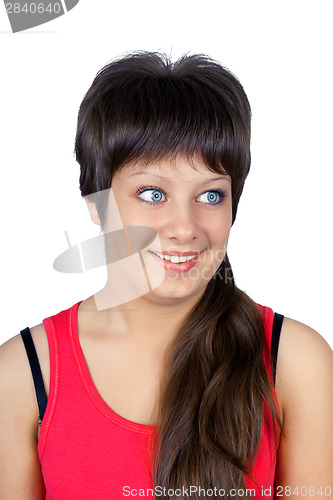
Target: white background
[[281, 244]]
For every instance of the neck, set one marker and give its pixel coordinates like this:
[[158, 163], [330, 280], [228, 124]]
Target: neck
[[146, 317]]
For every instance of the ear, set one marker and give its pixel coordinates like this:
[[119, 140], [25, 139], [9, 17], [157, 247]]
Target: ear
[[93, 211]]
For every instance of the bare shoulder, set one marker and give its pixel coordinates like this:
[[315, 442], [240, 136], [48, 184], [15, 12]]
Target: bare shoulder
[[14, 364], [304, 385], [20, 473], [16, 383], [304, 357]]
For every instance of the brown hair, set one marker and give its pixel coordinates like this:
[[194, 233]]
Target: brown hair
[[145, 107]]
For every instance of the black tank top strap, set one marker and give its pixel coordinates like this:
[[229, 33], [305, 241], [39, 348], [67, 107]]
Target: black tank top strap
[[277, 324], [36, 372]]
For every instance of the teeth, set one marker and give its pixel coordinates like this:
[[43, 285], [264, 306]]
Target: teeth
[[174, 258]]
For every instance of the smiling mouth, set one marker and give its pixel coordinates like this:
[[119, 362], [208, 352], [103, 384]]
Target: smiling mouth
[[175, 259], [180, 262]]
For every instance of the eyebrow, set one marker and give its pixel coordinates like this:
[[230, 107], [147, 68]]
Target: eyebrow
[[167, 181]]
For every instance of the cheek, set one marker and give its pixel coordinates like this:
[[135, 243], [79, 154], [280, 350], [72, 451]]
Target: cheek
[[217, 233], [136, 214], [131, 212], [216, 222], [218, 230]]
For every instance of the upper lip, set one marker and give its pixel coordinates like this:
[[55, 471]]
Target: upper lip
[[179, 254]]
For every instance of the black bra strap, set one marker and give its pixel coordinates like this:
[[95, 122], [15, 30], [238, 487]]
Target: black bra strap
[[36, 371], [277, 324]]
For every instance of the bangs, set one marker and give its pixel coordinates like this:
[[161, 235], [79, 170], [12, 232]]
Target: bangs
[[162, 119], [144, 108]]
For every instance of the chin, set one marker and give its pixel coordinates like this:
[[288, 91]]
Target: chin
[[176, 290]]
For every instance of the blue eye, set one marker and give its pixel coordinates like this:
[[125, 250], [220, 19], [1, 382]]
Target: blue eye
[[152, 196], [215, 197]]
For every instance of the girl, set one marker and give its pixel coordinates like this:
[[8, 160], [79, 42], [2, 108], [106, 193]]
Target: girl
[[170, 382]]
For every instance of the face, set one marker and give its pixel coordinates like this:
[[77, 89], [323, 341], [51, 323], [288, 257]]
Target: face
[[190, 208]]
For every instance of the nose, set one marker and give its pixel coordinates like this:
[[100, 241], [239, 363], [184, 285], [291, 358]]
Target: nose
[[180, 224]]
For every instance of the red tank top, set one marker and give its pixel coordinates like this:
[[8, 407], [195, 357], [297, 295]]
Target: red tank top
[[87, 451]]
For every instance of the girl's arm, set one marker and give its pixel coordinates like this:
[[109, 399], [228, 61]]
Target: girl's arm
[[304, 385], [20, 471]]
